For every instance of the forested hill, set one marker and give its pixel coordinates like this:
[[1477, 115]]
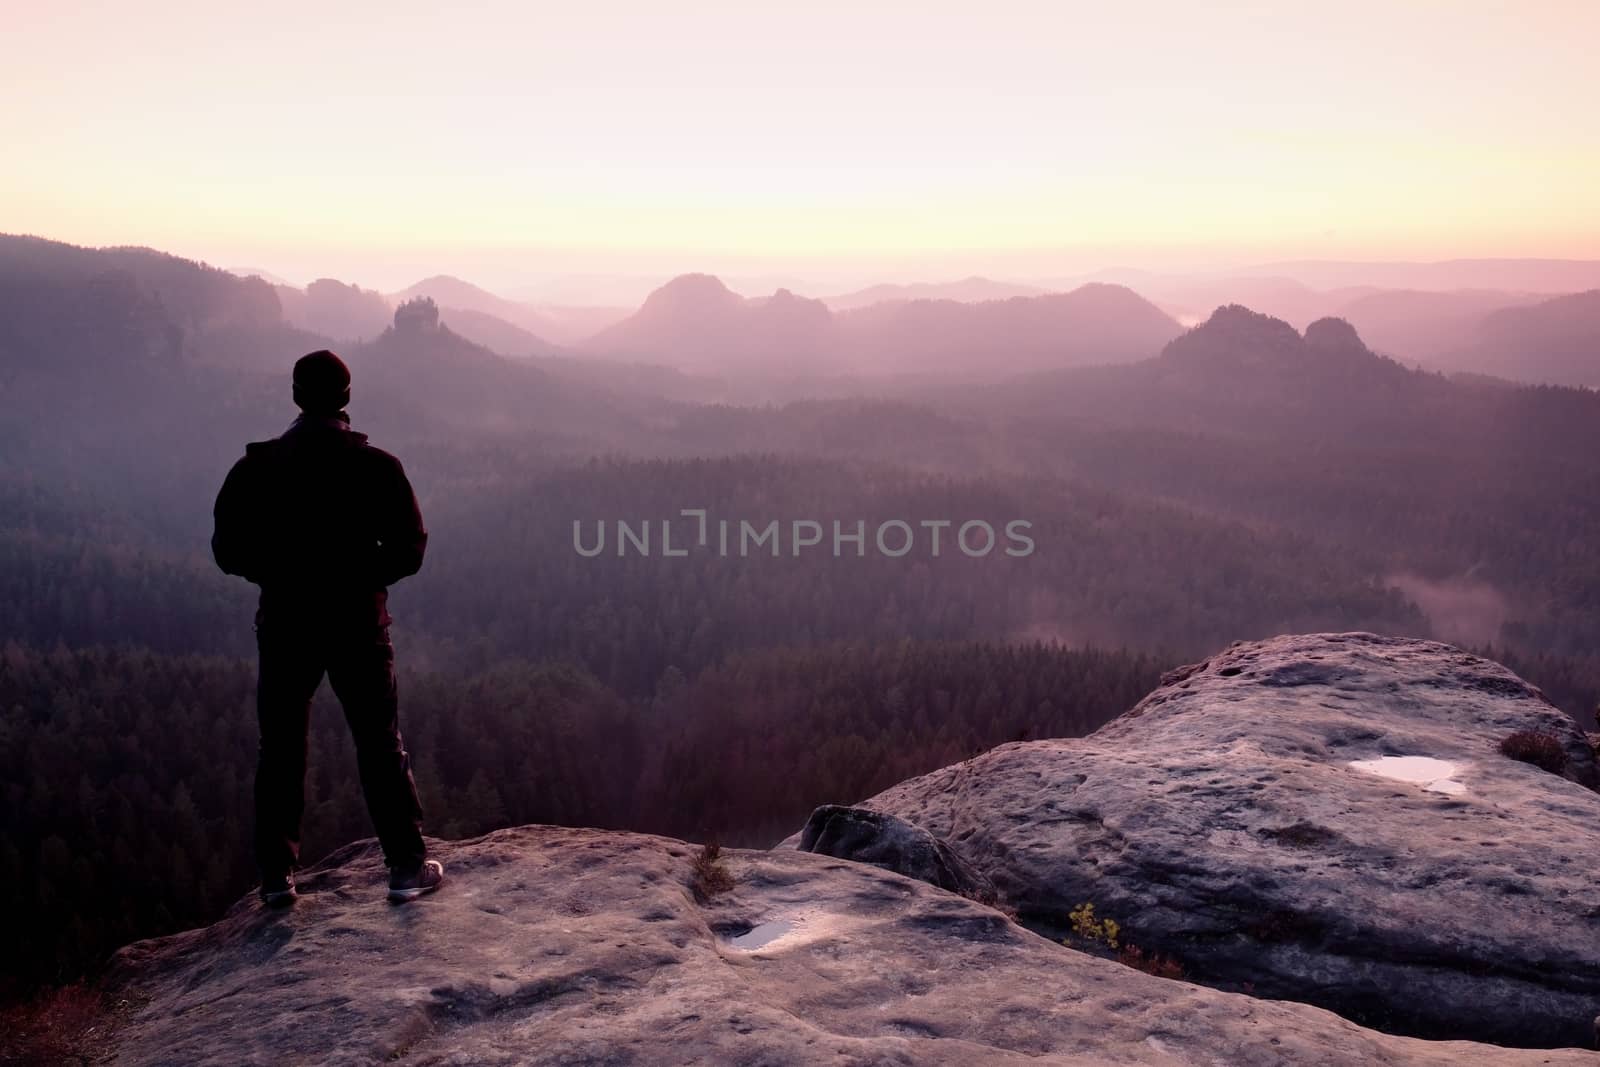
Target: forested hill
[[695, 321], [1245, 375]]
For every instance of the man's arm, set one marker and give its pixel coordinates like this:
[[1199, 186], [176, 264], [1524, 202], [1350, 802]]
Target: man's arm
[[401, 537], [233, 537]]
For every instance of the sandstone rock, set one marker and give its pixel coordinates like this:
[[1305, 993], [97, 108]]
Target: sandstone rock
[[893, 844], [1221, 821], [555, 946]]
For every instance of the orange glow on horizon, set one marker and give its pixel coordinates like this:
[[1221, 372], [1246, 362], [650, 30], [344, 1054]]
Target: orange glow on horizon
[[1025, 139]]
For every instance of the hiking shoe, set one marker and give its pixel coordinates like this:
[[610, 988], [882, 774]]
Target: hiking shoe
[[278, 891], [409, 885]]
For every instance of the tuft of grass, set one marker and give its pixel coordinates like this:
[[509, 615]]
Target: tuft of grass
[[1103, 937], [708, 875], [1543, 750], [990, 899], [414, 1029], [1150, 962], [60, 1026]]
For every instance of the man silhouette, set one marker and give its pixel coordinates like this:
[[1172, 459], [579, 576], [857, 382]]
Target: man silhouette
[[323, 522]]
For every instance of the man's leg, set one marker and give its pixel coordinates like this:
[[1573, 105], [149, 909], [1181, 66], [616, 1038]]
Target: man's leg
[[362, 673], [290, 671]]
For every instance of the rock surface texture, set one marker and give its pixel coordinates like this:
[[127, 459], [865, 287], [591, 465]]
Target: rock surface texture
[[556, 946], [1224, 821], [893, 844]]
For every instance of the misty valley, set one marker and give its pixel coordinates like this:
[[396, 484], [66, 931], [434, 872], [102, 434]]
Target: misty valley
[[1153, 491]]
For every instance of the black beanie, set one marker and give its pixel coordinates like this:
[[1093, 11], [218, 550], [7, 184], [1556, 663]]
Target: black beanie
[[321, 383]]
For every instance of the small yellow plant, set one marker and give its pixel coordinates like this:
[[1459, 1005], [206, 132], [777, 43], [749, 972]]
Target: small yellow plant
[[1090, 928]]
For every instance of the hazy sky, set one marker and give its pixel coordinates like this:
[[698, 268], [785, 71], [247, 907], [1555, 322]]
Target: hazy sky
[[511, 142]]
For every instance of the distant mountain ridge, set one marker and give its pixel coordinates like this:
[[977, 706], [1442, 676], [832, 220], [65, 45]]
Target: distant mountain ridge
[[336, 310], [696, 321], [1556, 341], [1243, 374], [347, 313], [970, 290], [1525, 274], [1093, 324], [1414, 324], [1419, 324], [1436, 314], [257, 272], [195, 295], [1236, 338], [65, 308]]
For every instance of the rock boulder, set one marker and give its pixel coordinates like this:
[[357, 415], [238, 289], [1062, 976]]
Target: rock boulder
[[1322, 818], [557, 946], [893, 844]]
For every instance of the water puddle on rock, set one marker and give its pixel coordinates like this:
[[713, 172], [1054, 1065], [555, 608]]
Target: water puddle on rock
[[762, 934], [1434, 775]]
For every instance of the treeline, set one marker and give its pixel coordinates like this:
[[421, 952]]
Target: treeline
[[127, 775], [745, 744], [503, 579], [1522, 520], [1571, 683]]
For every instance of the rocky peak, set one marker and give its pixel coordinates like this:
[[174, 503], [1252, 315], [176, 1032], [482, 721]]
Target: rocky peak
[[1236, 335], [1335, 336], [558, 946], [415, 316], [692, 292], [785, 308]]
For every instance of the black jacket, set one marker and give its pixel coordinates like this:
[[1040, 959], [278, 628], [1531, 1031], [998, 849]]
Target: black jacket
[[319, 519]]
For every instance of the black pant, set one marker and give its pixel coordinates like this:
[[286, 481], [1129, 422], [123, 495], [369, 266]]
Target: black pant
[[359, 661]]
